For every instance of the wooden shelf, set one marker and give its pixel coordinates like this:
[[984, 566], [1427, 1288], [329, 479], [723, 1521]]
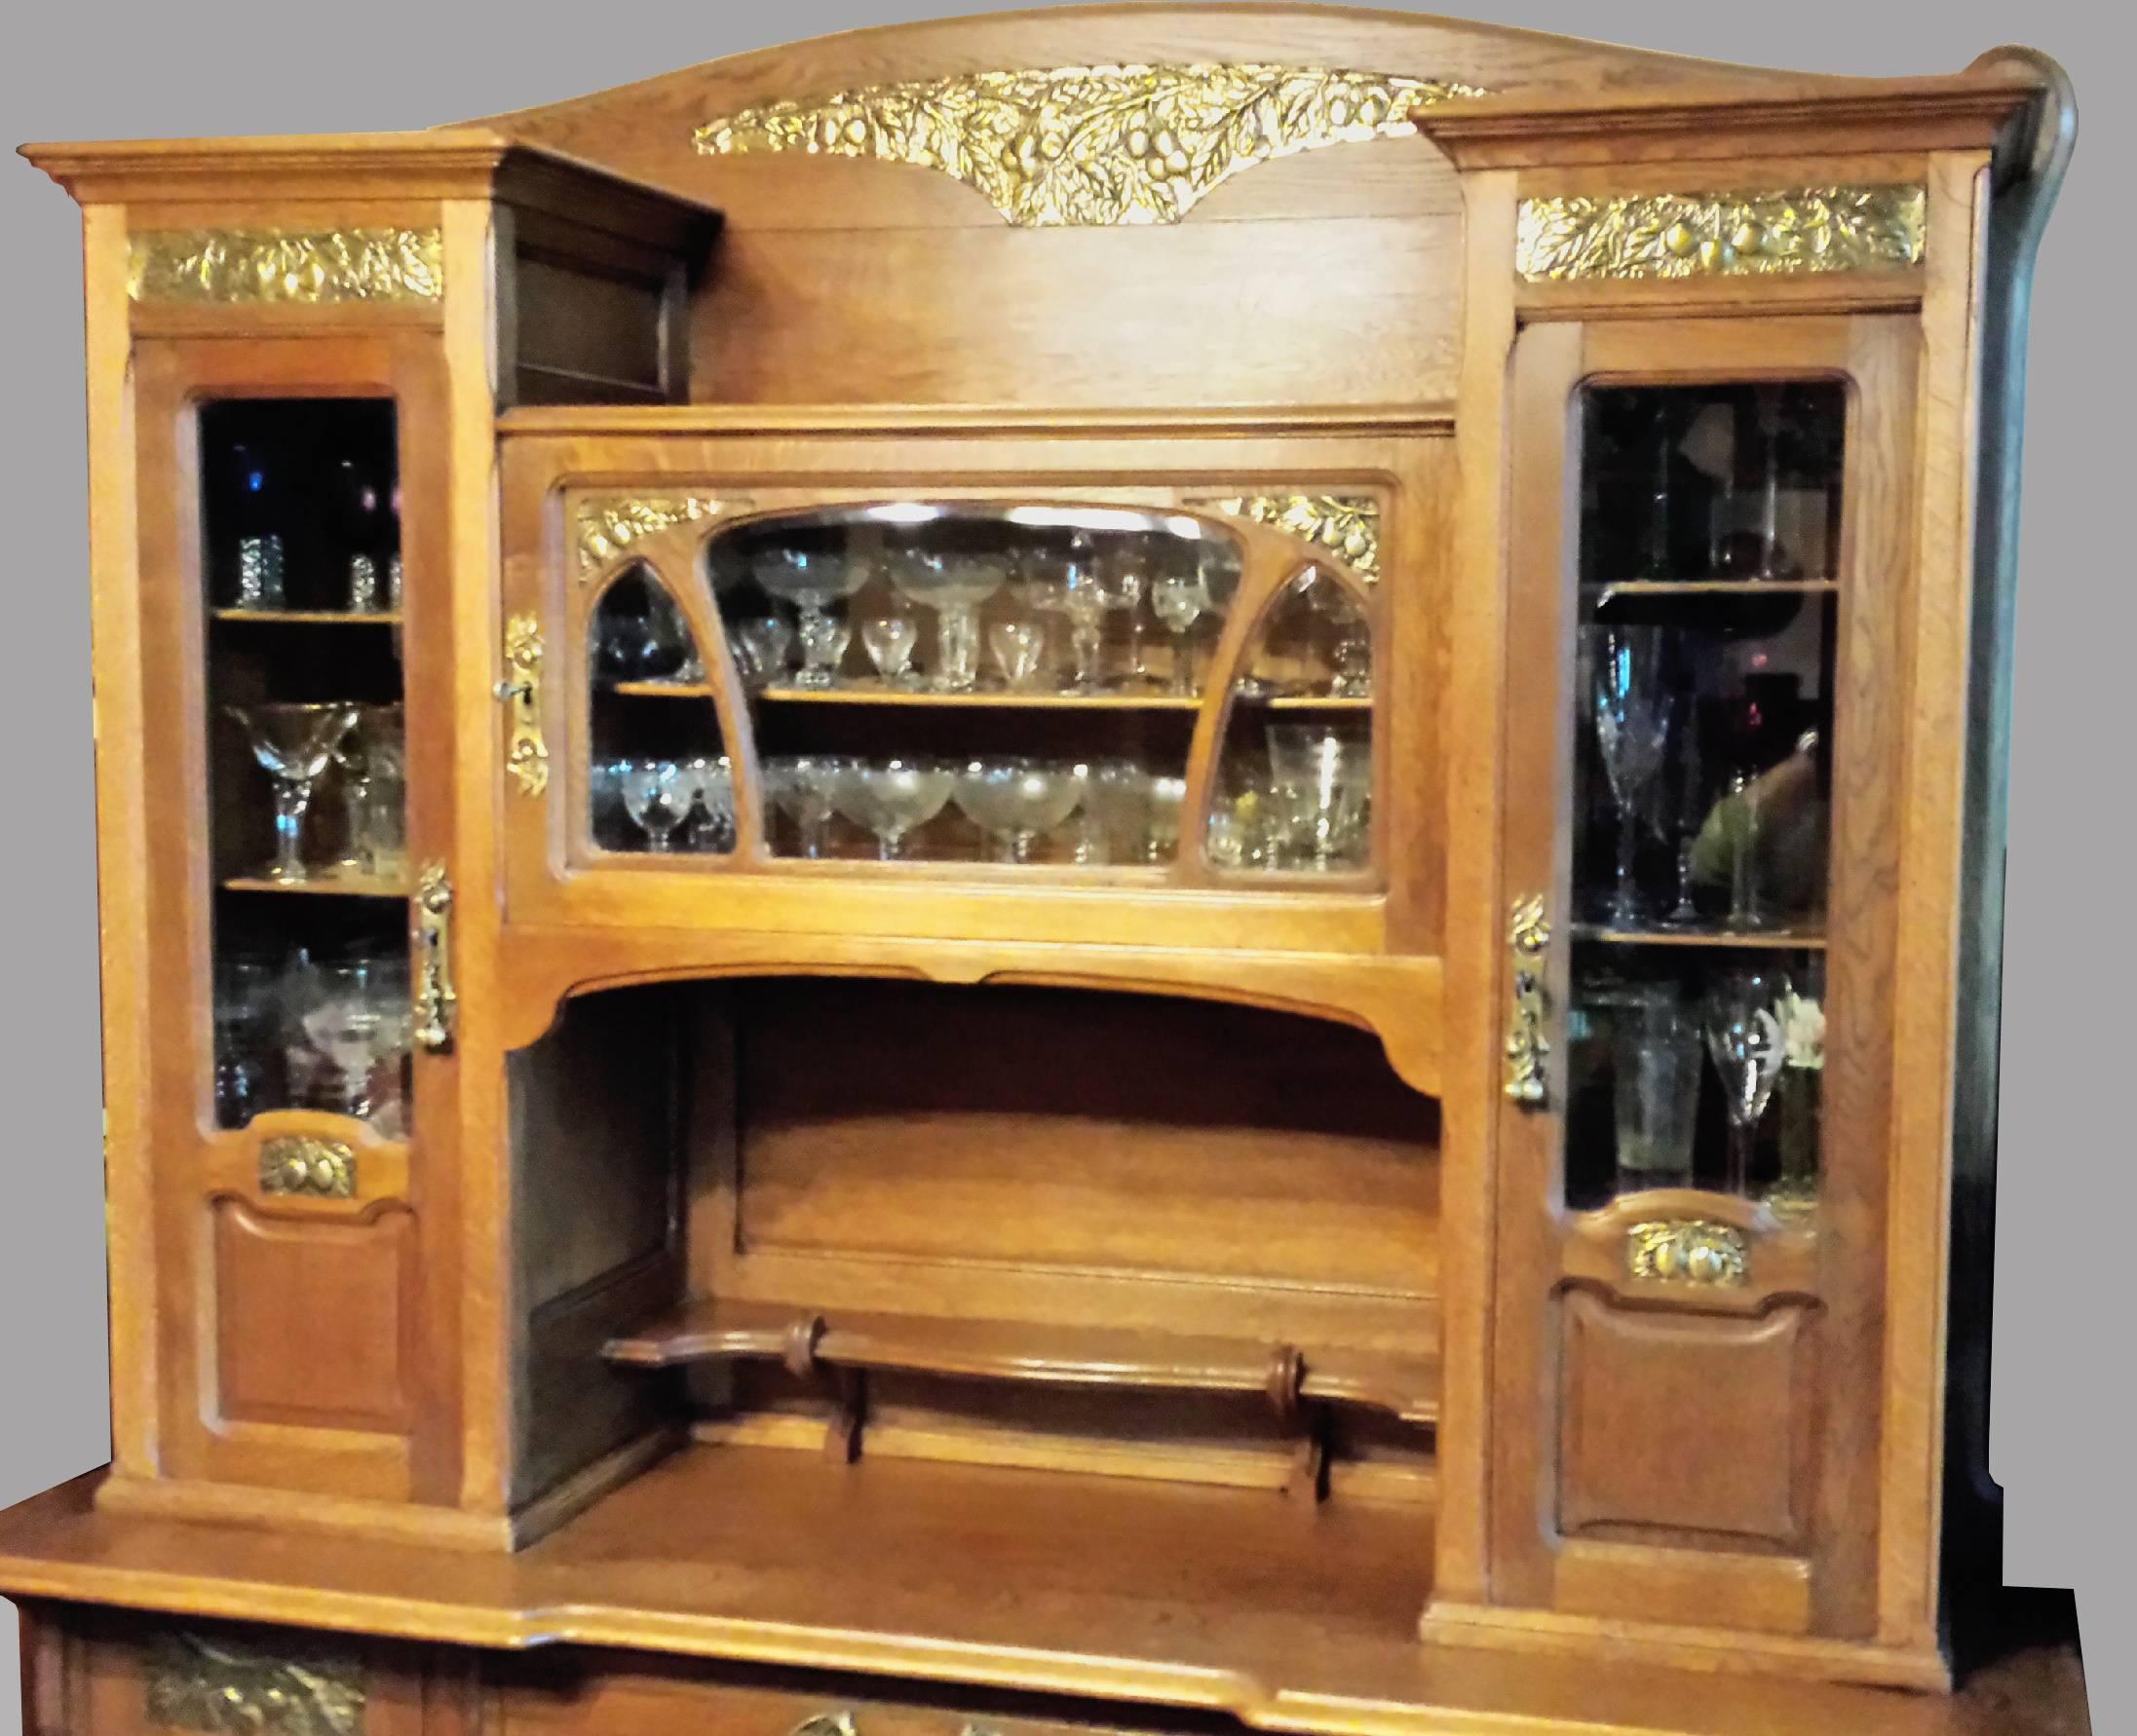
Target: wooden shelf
[[706, 1331], [984, 699], [326, 885], [1778, 939], [312, 617], [1603, 590]]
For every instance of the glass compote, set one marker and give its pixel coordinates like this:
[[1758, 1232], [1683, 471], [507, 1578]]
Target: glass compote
[[658, 798], [1631, 711], [1019, 800], [805, 788], [813, 581], [1323, 780], [953, 586], [1747, 1040], [894, 797], [292, 744]]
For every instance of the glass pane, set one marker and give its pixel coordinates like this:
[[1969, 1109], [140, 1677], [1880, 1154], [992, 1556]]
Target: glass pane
[[974, 682], [659, 779], [1294, 785], [1703, 724], [307, 763]]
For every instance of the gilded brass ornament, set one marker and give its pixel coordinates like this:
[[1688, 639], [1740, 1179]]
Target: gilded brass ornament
[[1686, 1251], [1347, 525], [1527, 1047], [436, 998], [228, 1688], [1090, 146], [296, 1163], [826, 1723], [1685, 235], [275, 265], [526, 754], [605, 525]]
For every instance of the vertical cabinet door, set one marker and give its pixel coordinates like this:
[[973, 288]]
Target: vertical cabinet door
[[292, 501], [1707, 680]]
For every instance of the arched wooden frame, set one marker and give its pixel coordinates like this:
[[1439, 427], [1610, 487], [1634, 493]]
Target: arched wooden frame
[[1250, 615], [677, 558]]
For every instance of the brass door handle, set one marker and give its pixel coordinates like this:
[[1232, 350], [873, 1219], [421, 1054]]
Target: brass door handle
[[526, 754], [1528, 935], [436, 1000]]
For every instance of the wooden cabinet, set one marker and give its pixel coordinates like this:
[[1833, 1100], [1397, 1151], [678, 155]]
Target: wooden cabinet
[[1039, 881]]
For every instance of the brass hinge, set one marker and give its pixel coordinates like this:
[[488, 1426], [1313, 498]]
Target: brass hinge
[[526, 754], [1526, 1044], [436, 1000]]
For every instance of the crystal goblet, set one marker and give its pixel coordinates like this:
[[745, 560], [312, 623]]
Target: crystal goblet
[[893, 799], [762, 649], [292, 744], [1073, 589], [1179, 600], [1323, 779], [888, 641], [656, 798], [1017, 802], [953, 586], [709, 805], [813, 581], [1021, 650], [805, 788]]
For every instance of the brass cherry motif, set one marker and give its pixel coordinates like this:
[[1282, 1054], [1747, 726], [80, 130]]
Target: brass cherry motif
[[299, 1164], [1803, 230], [297, 267], [1686, 1251]]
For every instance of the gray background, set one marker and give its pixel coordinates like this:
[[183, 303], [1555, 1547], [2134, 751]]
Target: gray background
[[107, 69]]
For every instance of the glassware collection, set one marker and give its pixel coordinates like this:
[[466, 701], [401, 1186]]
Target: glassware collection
[[312, 1029], [1703, 728], [362, 746]]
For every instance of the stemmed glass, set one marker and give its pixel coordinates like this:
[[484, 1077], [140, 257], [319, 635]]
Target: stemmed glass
[[888, 641], [1075, 592], [761, 648], [658, 798], [805, 788], [893, 799], [1019, 800], [292, 744], [1687, 817], [1120, 586], [1322, 780], [1631, 714], [953, 586], [709, 804], [1351, 655], [1178, 600], [813, 580], [369, 749], [1020, 649], [1746, 1043]]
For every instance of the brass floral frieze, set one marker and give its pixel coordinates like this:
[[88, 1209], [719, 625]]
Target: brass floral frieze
[[1686, 1251], [299, 1164], [286, 266], [1090, 146], [1800, 229], [605, 526], [227, 1688], [1347, 525]]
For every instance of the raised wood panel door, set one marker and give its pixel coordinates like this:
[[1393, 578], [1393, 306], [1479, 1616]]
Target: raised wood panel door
[[1706, 683], [294, 611]]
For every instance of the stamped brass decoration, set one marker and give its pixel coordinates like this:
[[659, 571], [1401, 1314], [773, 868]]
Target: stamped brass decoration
[[1090, 146], [1347, 525], [526, 754], [1799, 230], [298, 1163], [288, 266], [826, 1723], [605, 525], [1526, 1044], [227, 1688], [436, 998], [1686, 1251]]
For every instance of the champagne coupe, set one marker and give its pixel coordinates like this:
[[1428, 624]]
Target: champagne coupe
[[1655, 1056], [1020, 649], [893, 799], [805, 788], [1631, 723], [813, 581], [292, 744], [1323, 778], [888, 641], [1745, 1040], [1019, 800], [953, 586], [762, 648], [1179, 600], [656, 798]]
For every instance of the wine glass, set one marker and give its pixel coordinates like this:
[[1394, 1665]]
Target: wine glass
[[953, 586], [812, 581], [1020, 649], [805, 788], [1323, 778], [656, 798], [762, 649], [710, 807], [1746, 1043], [1075, 591], [370, 746], [893, 799], [1019, 800], [1122, 583], [888, 641], [292, 744], [1631, 714], [1178, 600], [1350, 653]]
